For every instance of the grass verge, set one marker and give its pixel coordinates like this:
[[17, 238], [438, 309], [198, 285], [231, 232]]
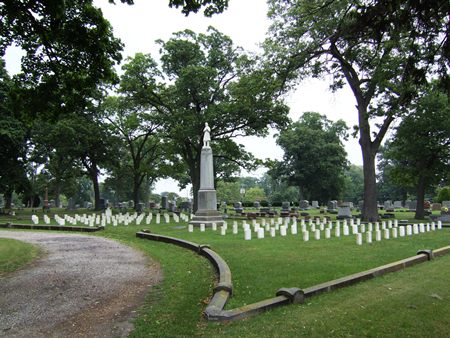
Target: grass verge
[[15, 254]]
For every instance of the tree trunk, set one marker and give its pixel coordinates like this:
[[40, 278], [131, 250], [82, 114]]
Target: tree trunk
[[420, 210], [136, 187], [370, 207], [369, 151], [195, 178], [8, 199], [57, 194], [96, 186]]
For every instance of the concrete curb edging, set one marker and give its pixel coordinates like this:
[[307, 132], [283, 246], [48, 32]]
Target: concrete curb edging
[[50, 227], [284, 296]]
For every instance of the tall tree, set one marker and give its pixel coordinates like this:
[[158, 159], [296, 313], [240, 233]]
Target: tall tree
[[421, 146], [69, 50], [210, 80], [13, 138], [383, 49], [140, 133], [314, 157]]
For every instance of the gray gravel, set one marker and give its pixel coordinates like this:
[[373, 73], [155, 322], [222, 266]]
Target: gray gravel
[[83, 286]]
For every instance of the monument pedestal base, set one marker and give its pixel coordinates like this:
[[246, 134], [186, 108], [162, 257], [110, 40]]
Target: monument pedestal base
[[207, 209], [207, 217]]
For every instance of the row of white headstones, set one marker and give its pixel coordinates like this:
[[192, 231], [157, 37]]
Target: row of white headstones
[[107, 218], [372, 231]]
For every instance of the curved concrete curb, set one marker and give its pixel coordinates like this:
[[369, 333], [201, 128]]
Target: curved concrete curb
[[50, 227], [224, 289]]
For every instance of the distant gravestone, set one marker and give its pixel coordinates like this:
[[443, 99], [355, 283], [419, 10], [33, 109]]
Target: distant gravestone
[[398, 204], [285, 206], [102, 204], [186, 206], [332, 205], [388, 206], [164, 202], [171, 206], [344, 211], [256, 204], [71, 204], [446, 204], [411, 205], [238, 207], [303, 204], [87, 204], [315, 204], [445, 214], [152, 204], [140, 207], [436, 206]]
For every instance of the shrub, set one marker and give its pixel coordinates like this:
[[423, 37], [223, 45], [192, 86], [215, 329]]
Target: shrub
[[443, 194]]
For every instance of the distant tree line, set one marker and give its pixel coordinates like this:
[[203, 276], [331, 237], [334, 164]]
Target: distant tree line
[[69, 118]]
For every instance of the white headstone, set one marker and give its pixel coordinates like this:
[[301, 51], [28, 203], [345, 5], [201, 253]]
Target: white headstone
[[317, 234], [409, 230], [394, 232], [369, 237], [306, 236], [377, 235], [359, 239], [337, 232]]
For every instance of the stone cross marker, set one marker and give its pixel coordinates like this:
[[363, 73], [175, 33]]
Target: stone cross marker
[[207, 198]]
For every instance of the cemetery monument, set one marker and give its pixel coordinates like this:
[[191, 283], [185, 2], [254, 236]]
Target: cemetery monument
[[207, 199]]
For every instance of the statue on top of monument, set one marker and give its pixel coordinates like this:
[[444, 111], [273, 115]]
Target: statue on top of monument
[[206, 135]]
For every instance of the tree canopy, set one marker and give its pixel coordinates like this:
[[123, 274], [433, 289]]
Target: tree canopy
[[420, 147], [205, 78], [384, 50], [314, 157]]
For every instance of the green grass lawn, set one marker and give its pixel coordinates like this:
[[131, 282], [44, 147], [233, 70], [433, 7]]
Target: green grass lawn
[[411, 303], [260, 267], [15, 254]]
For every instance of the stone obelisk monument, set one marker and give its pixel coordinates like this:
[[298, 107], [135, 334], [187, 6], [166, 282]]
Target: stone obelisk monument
[[207, 199]]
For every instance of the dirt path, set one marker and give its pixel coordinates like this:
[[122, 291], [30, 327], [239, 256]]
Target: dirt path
[[84, 286]]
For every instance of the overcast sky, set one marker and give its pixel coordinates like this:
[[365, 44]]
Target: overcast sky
[[138, 26]]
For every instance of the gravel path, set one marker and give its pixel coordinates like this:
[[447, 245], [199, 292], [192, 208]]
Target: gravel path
[[84, 286]]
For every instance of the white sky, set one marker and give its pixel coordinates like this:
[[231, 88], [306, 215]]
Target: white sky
[[138, 26]]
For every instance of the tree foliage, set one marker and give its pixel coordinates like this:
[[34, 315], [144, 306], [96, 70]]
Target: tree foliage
[[354, 184], [421, 145], [205, 78], [384, 50], [443, 194], [314, 157], [69, 50]]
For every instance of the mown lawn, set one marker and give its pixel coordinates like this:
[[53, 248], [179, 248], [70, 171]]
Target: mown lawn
[[16, 254], [411, 303], [260, 267]]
